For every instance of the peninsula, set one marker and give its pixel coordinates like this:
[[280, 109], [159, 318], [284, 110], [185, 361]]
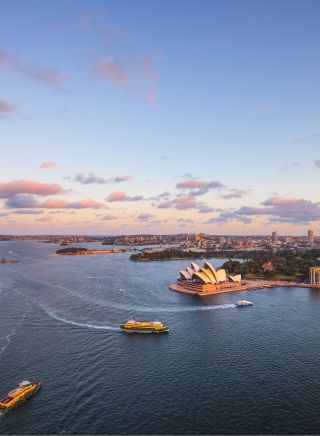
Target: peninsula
[[207, 280], [75, 251]]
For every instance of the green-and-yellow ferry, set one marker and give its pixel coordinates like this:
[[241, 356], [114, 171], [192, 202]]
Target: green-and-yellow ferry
[[132, 326], [19, 395]]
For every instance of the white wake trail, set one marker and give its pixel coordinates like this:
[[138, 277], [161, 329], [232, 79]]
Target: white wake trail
[[80, 324], [11, 334], [12, 252]]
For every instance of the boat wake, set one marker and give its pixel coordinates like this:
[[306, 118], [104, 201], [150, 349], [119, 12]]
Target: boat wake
[[198, 308], [11, 334], [117, 329], [12, 252], [80, 324]]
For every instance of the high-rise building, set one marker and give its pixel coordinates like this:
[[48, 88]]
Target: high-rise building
[[274, 236], [310, 236], [314, 276]]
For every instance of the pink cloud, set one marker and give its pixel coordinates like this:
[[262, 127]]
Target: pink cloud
[[122, 196], [49, 76], [88, 203], [137, 76], [15, 187], [5, 107], [46, 165], [117, 196], [114, 70], [199, 187]]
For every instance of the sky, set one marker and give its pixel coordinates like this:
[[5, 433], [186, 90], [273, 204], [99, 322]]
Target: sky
[[139, 116]]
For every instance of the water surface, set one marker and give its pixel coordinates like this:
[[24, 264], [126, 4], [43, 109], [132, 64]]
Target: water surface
[[220, 370]]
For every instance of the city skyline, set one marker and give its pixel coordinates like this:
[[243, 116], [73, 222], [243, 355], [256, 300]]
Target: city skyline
[[120, 118]]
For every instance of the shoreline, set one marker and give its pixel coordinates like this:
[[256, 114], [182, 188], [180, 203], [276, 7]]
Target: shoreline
[[249, 285], [92, 252]]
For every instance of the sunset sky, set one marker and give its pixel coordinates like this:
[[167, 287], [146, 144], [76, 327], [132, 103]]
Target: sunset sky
[[159, 116]]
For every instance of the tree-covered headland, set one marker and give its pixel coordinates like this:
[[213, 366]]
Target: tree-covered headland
[[282, 264]]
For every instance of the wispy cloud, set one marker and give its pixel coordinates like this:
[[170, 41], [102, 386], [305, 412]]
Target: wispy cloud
[[198, 187], [182, 203], [317, 163], [225, 217], [144, 217], [278, 209], [290, 167], [137, 76], [305, 138], [108, 218], [235, 193], [94, 179], [122, 196], [47, 76], [6, 108]]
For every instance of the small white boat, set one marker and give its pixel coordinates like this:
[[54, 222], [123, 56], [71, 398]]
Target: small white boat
[[244, 303]]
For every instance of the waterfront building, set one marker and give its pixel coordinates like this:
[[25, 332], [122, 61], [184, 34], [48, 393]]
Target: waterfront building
[[314, 276], [310, 236], [274, 237], [206, 279]]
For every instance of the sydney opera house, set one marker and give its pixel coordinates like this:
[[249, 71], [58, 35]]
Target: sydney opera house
[[205, 280]]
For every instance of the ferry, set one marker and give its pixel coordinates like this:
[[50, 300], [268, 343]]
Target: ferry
[[243, 303], [132, 326], [16, 397]]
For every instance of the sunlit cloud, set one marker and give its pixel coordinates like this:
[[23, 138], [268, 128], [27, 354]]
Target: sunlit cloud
[[198, 187], [29, 201], [122, 196], [16, 187], [46, 165]]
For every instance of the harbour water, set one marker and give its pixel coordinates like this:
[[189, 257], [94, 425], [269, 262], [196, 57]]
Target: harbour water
[[220, 370]]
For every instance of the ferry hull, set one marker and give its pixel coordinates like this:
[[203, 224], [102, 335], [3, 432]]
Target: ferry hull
[[137, 330], [4, 410]]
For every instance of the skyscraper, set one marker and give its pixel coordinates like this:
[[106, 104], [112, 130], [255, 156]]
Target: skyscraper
[[274, 236], [310, 236]]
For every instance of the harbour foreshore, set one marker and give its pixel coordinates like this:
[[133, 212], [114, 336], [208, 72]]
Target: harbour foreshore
[[248, 285], [89, 252]]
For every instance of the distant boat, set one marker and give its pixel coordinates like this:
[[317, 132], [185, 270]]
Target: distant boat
[[19, 395], [243, 303], [132, 326]]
